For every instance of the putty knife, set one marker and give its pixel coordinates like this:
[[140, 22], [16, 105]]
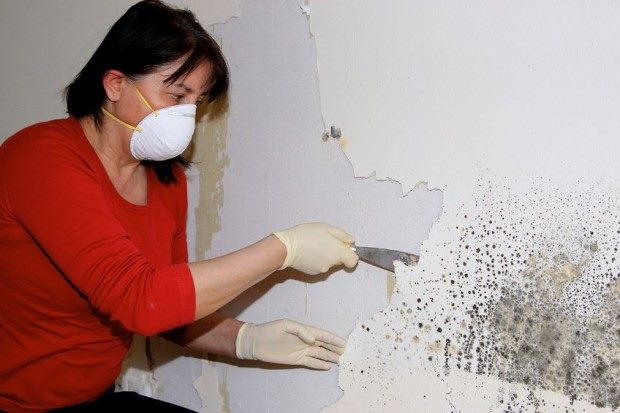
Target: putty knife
[[384, 258]]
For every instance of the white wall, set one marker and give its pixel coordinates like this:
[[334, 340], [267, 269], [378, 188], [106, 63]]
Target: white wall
[[44, 45]]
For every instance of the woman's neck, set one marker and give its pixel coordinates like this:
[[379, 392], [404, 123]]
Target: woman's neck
[[126, 173]]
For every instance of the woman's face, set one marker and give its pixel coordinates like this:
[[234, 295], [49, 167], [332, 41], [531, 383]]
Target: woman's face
[[159, 94]]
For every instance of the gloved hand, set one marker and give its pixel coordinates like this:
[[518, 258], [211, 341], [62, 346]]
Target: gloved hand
[[289, 342], [315, 248]]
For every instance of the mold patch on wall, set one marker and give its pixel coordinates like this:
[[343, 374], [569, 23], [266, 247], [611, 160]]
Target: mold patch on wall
[[547, 263], [513, 307]]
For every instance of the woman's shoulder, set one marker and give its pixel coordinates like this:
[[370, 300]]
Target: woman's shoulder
[[46, 145], [35, 137]]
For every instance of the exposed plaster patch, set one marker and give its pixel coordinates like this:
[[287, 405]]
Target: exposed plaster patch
[[205, 385], [223, 387], [136, 373], [208, 152], [390, 282]]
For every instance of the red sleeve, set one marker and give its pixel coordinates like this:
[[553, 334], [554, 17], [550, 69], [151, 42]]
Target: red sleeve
[[53, 192], [179, 242]]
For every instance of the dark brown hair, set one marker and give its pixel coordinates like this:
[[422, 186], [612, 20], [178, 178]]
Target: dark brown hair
[[148, 36]]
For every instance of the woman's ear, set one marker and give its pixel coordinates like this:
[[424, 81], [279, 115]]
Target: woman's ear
[[113, 83]]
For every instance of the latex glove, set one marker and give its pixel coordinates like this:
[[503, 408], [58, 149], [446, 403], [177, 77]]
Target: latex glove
[[289, 342], [315, 248]]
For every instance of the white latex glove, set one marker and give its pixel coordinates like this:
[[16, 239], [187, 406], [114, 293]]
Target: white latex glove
[[289, 342], [315, 248]]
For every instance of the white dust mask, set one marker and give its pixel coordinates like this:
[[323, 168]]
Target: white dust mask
[[162, 134]]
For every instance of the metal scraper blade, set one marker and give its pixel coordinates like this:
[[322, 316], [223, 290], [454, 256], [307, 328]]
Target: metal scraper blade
[[384, 258]]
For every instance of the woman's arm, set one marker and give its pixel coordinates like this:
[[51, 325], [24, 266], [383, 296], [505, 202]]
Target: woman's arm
[[280, 341], [311, 248], [214, 334], [219, 280]]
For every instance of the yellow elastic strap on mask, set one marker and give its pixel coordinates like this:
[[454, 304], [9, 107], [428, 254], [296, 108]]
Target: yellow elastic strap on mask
[[144, 100], [120, 121], [148, 105]]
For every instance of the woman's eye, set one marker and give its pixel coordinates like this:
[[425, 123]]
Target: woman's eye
[[176, 97]]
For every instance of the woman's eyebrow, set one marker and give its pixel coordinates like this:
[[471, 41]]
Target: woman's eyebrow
[[183, 86]]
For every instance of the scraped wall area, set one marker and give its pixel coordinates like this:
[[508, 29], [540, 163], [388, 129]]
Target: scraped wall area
[[510, 108]]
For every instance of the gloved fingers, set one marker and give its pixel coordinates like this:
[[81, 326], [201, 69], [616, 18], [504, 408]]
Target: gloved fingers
[[315, 363], [300, 330], [326, 337], [340, 234], [349, 258], [331, 347], [323, 354]]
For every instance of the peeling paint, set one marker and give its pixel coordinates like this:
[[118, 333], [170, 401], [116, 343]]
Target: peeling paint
[[208, 152], [390, 283], [223, 388], [136, 372], [209, 389]]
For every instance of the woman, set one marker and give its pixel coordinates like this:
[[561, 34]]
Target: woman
[[92, 228]]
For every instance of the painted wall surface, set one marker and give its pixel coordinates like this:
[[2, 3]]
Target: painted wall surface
[[511, 109]]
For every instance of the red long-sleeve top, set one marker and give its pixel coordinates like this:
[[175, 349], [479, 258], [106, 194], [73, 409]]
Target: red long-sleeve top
[[81, 269]]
